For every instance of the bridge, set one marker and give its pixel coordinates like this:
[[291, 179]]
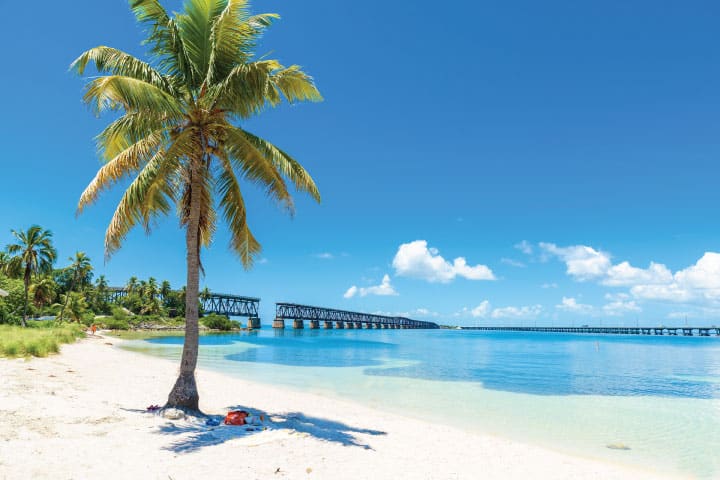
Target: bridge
[[332, 318], [218, 303], [671, 331]]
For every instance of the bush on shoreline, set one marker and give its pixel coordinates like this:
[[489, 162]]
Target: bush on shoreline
[[219, 322], [39, 340]]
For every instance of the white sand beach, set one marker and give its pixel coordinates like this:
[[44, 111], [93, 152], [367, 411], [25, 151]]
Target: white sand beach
[[81, 415]]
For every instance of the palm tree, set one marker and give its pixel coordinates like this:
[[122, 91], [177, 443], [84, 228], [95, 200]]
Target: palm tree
[[33, 254], [178, 136], [131, 285], [81, 268], [76, 304], [165, 289], [43, 291]]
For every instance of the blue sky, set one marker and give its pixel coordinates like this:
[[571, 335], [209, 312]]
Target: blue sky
[[545, 143]]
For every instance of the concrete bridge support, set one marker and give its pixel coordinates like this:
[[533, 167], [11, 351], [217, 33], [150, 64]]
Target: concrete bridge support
[[339, 325], [349, 325], [327, 325], [358, 325], [253, 323], [314, 324], [298, 324], [369, 325], [278, 323]]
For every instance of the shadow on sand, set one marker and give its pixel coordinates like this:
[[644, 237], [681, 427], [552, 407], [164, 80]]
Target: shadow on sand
[[194, 436]]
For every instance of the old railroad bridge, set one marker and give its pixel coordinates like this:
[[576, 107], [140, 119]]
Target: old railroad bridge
[[238, 306]]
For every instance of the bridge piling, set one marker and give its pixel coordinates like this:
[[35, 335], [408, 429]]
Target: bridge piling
[[253, 323], [298, 324], [314, 324], [278, 323], [328, 325], [339, 325]]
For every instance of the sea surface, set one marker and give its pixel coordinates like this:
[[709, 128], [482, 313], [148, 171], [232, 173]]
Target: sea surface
[[652, 402]]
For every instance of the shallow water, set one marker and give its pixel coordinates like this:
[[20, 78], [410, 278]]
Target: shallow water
[[659, 396]]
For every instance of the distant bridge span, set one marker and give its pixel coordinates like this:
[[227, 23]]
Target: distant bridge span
[[340, 318], [219, 303]]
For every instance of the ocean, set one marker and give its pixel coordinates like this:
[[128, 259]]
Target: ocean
[[648, 401]]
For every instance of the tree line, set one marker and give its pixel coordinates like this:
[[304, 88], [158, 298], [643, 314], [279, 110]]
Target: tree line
[[37, 287]]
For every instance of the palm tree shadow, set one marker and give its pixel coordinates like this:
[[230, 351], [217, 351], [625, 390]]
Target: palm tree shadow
[[196, 436]]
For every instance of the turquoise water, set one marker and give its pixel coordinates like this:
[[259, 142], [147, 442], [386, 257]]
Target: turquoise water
[[659, 396]]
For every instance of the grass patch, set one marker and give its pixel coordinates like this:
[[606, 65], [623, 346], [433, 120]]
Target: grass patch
[[40, 339]]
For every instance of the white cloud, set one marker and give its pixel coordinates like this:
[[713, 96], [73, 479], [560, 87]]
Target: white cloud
[[525, 247], [481, 310], [582, 262], [416, 260], [619, 308], [569, 304], [324, 256], [698, 282], [549, 285], [517, 312], [623, 274], [512, 262], [385, 288]]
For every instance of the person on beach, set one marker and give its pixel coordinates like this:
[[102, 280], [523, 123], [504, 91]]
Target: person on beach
[[93, 329]]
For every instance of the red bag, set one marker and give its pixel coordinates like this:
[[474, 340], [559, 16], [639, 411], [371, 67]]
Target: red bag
[[236, 417]]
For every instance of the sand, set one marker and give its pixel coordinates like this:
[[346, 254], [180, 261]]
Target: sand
[[81, 415]]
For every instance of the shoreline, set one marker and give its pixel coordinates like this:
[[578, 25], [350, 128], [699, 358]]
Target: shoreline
[[80, 414]]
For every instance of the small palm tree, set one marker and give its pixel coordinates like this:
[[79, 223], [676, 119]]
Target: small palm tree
[[131, 285], [76, 305], [81, 268], [33, 254], [43, 291], [178, 136], [165, 289]]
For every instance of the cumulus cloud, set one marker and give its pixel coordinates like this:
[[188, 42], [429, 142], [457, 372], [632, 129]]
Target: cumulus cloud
[[324, 256], [569, 304], [416, 260], [619, 308], [517, 312], [623, 275], [384, 289], [582, 262], [481, 310], [698, 282]]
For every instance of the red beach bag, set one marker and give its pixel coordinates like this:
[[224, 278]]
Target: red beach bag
[[236, 417]]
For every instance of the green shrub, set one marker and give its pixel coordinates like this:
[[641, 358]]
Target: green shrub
[[40, 340], [219, 322], [113, 323]]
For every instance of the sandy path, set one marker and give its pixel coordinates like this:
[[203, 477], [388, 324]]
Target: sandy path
[[79, 415]]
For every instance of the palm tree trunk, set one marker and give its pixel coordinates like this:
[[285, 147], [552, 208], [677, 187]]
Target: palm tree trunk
[[67, 299], [185, 394], [26, 282]]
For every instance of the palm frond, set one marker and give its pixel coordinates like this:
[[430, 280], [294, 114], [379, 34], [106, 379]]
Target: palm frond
[[232, 203], [164, 38], [116, 62], [287, 165], [150, 194], [195, 27], [296, 85], [124, 164], [234, 37], [255, 166], [115, 91]]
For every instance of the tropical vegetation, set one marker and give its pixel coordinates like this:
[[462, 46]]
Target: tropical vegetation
[[40, 340], [71, 294], [178, 136]]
